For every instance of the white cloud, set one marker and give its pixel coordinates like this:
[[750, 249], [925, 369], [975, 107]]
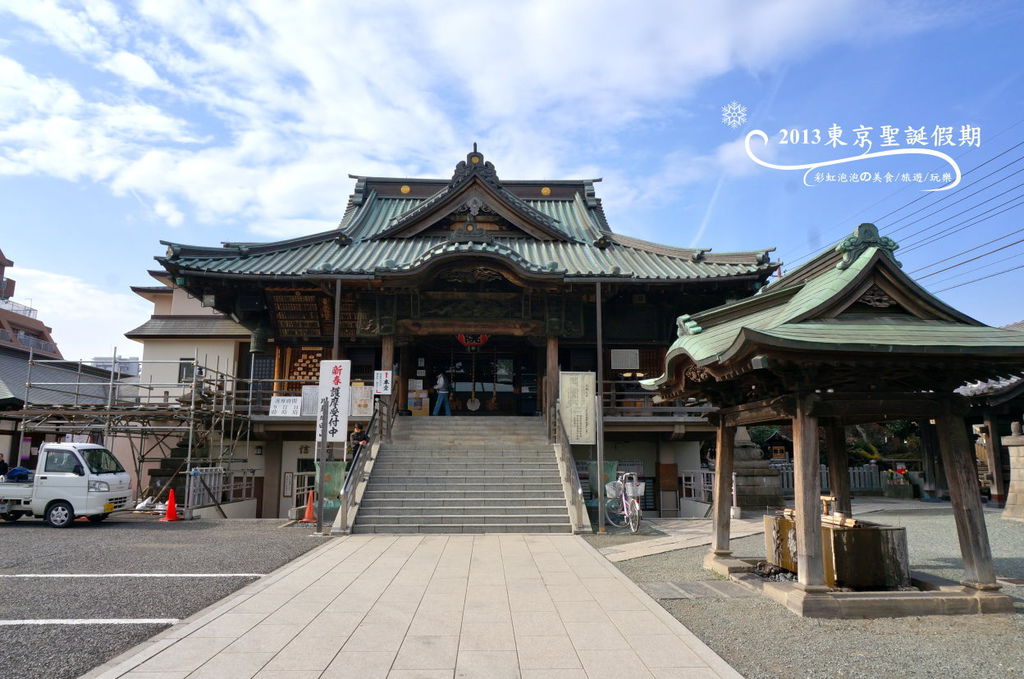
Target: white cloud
[[299, 95], [86, 320], [132, 68]]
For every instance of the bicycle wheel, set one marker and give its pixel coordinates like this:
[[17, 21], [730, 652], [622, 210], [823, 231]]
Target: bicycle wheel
[[634, 516], [615, 513]]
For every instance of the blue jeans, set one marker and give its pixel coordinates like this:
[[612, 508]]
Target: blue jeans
[[442, 398]]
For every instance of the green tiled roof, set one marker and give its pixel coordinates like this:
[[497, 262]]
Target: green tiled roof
[[801, 313], [584, 247]]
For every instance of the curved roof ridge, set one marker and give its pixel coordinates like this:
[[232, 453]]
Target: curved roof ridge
[[760, 256]]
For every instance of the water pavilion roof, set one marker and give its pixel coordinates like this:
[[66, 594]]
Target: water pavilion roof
[[845, 313]]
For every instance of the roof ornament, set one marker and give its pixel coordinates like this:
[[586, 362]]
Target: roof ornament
[[864, 237], [687, 326], [603, 242], [474, 166]]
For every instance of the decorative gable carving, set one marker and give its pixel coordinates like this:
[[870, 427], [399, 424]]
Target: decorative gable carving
[[476, 190], [876, 297]]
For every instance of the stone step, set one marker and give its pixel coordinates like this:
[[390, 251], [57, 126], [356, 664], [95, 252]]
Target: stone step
[[532, 510], [433, 496], [462, 467], [464, 528], [427, 503], [488, 443], [470, 454], [453, 487]]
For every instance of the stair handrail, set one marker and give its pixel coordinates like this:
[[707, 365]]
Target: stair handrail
[[377, 430], [571, 473]]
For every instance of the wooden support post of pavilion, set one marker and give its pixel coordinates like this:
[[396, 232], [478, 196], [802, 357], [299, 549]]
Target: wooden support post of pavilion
[[723, 488], [838, 466], [807, 498], [957, 457]]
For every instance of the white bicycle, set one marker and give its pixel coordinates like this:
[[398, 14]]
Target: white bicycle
[[624, 501]]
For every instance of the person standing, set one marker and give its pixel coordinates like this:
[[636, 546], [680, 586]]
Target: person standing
[[441, 387]]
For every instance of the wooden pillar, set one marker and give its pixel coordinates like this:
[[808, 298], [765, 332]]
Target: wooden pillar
[[387, 352], [724, 448], [807, 499], [387, 362], [336, 343], [405, 371], [957, 455], [838, 466], [551, 383], [994, 458]]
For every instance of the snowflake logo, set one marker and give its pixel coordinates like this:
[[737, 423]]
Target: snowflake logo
[[734, 114]]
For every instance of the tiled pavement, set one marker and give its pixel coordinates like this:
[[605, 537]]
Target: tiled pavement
[[428, 606]]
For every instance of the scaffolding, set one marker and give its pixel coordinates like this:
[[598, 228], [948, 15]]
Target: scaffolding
[[202, 418]]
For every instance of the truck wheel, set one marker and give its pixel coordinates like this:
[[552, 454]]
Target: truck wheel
[[10, 516], [96, 518], [60, 515]]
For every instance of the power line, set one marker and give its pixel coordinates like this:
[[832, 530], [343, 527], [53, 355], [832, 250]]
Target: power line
[[973, 207], [1001, 248], [967, 223], [959, 200], [976, 270], [964, 252], [921, 197], [981, 278]]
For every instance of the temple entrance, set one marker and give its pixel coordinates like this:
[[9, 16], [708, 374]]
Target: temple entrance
[[488, 375]]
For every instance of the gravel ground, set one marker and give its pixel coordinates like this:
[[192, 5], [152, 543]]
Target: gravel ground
[[125, 544], [762, 639]]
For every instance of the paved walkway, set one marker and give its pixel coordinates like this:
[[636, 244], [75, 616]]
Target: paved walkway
[[489, 606]]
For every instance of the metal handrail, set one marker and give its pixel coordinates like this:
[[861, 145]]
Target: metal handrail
[[377, 430], [571, 474]]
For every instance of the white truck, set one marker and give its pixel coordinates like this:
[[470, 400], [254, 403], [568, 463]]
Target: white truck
[[70, 480]]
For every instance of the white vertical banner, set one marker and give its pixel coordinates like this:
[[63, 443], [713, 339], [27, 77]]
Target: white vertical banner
[[335, 378]]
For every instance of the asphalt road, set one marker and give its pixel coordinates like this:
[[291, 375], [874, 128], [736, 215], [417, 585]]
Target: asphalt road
[[122, 544]]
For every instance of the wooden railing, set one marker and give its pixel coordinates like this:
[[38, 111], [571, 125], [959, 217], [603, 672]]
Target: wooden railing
[[626, 398]]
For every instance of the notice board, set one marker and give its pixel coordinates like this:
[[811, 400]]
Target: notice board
[[576, 391]]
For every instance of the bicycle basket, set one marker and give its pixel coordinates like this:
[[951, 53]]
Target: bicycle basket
[[613, 489], [636, 489]]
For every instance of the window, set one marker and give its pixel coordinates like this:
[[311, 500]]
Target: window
[[185, 369], [102, 461], [61, 461]]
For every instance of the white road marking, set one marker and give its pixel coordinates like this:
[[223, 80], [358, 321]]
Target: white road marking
[[92, 621], [133, 575]]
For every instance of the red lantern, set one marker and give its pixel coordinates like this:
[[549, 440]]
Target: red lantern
[[467, 340]]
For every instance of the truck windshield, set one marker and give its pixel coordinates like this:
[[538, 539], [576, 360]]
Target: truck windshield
[[101, 461]]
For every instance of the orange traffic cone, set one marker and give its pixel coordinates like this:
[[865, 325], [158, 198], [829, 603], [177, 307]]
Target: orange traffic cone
[[309, 518], [172, 508]]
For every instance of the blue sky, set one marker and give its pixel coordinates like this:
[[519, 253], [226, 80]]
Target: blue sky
[[125, 124]]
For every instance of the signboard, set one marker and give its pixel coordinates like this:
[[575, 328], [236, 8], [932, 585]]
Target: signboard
[[382, 382], [285, 406], [418, 402], [362, 401], [625, 359], [310, 400], [576, 391], [335, 377]]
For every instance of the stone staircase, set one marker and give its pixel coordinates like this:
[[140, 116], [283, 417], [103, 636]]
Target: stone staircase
[[465, 475]]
